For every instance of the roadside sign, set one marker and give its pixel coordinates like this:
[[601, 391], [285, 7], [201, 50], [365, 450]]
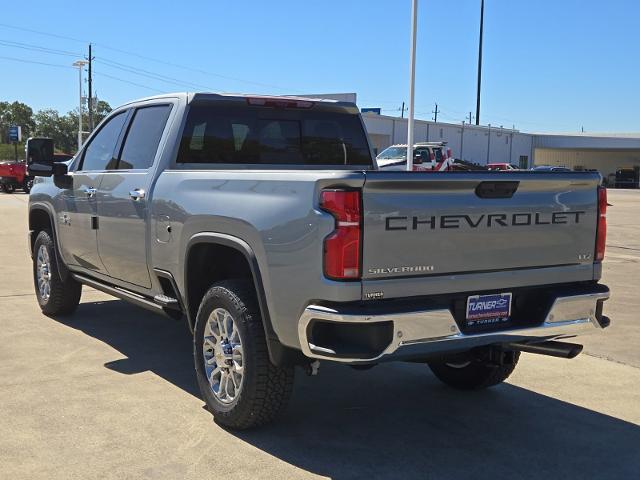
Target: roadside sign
[[371, 110], [15, 133]]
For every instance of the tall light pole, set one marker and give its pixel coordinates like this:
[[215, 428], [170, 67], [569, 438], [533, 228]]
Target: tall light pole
[[480, 62], [80, 64], [412, 81]]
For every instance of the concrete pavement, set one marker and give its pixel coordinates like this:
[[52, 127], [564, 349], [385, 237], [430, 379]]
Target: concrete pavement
[[110, 393]]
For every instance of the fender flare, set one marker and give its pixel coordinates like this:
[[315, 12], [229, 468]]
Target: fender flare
[[278, 353], [63, 271]]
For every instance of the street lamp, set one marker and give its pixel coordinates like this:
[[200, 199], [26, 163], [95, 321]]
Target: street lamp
[[80, 64]]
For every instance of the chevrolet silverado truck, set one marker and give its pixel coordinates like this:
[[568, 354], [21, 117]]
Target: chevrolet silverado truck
[[264, 223]]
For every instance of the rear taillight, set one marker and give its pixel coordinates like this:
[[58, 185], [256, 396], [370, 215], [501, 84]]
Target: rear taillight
[[342, 247], [601, 234]]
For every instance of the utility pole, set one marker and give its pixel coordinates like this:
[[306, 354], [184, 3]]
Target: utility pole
[[90, 100], [511, 147], [480, 62], [489, 146], [435, 114], [80, 64], [461, 140], [470, 118], [402, 111], [412, 82]]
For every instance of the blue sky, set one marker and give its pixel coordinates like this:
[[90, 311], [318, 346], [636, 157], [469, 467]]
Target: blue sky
[[548, 65]]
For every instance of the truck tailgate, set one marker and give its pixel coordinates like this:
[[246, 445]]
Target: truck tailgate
[[419, 225]]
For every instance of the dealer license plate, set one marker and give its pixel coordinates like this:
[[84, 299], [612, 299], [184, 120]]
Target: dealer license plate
[[488, 309]]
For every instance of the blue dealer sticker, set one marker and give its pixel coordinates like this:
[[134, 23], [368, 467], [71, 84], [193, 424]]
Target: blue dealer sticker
[[488, 308]]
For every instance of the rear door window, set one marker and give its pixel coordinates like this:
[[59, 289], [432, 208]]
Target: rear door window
[[244, 134], [143, 137]]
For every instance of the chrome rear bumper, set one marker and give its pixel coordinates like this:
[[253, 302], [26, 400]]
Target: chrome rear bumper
[[426, 332]]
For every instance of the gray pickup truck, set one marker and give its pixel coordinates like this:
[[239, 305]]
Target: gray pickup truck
[[264, 222]]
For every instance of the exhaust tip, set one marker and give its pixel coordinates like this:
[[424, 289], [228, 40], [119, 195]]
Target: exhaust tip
[[549, 348]]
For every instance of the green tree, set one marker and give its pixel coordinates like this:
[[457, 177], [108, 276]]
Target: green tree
[[16, 113], [102, 109], [62, 129], [47, 123]]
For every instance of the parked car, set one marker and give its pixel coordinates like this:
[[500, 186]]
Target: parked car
[[550, 168], [626, 178], [264, 224], [13, 175], [501, 166], [427, 156]]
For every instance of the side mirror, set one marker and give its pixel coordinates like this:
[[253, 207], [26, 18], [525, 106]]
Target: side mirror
[[61, 177], [40, 169], [59, 169], [39, 155]]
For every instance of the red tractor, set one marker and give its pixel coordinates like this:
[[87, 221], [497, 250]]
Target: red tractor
[[14, 174]]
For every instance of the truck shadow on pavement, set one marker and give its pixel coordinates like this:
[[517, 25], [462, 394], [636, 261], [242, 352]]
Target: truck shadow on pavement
[[395, 420]]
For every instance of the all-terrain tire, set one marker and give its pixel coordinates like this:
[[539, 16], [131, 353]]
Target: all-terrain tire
[[473, 375], [61, 297], [265, 388]]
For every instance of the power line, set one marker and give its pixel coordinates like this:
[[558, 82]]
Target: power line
[[144, 57], [33, 61], [42, 33], [192, 69], [146, 73], [127, 81], [37, 48]]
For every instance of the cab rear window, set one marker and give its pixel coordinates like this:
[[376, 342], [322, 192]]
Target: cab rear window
[[258, 135]]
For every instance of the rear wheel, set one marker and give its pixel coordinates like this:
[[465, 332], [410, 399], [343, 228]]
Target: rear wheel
[[55, 296], [474, 374], [240, 385], [8, 188], [27, 184]]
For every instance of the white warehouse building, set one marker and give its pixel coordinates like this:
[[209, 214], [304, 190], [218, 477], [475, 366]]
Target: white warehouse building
[[488, 144]]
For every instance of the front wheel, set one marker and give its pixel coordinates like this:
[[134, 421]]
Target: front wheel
[[474, 374], [55, 295], [240, 385]]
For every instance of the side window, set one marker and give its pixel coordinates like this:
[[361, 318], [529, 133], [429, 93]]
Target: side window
[[424, 152], [100, 152], [143, 137]]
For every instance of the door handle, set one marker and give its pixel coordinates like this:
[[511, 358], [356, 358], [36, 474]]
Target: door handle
[[137, 194], [91, 192]]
